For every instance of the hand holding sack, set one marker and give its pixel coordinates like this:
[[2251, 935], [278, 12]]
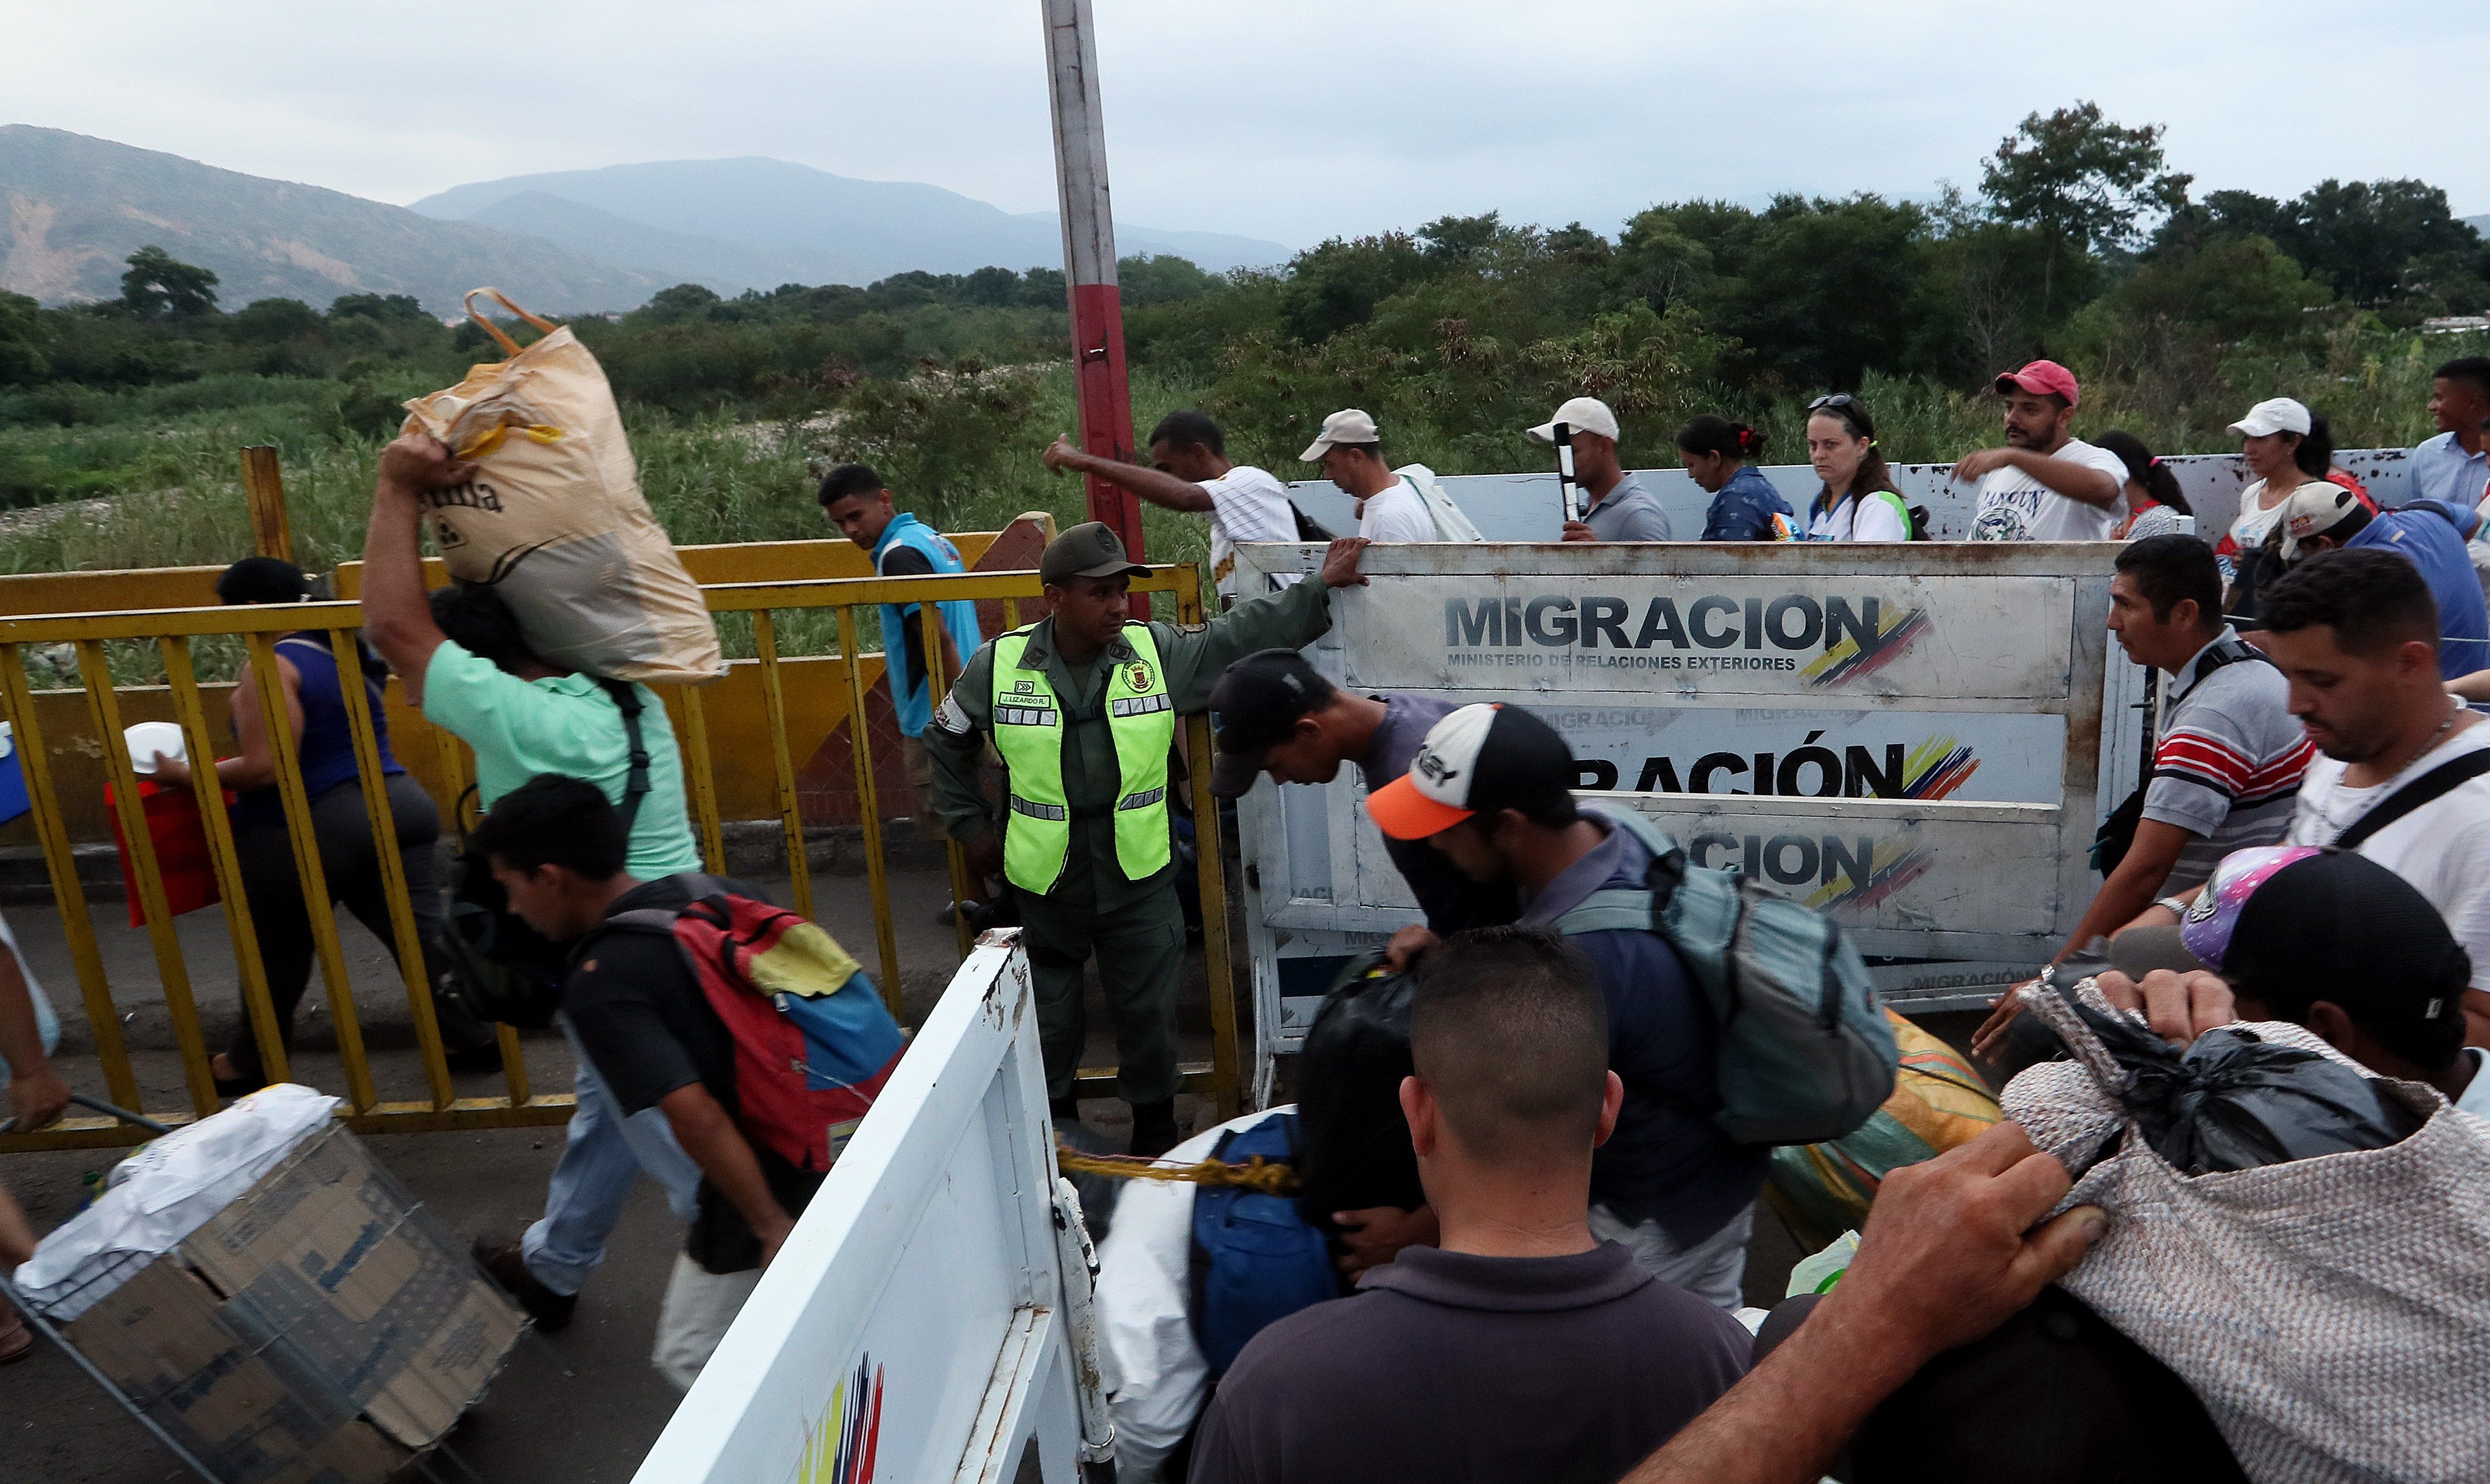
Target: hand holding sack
[[555, 520]]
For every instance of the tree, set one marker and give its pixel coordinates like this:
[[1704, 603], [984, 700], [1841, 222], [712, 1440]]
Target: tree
[[682, 302], [380, 306], [2231, 289], [2081, 181], [1826, 289], [159, 285], [22, 363], [268, 321], [2381, 244], [2377, 239], [1161, 278], [1336, 285]]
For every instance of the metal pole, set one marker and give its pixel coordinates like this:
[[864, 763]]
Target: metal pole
[[1089, 260], [1565, 484]]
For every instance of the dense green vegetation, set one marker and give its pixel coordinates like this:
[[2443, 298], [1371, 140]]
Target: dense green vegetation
[[2178, 311]]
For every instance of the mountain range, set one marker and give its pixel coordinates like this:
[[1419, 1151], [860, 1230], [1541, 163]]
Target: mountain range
[[757, 223], [73, 208]]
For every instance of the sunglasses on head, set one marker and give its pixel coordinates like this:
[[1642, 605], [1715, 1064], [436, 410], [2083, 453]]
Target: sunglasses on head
[[1839, 399]]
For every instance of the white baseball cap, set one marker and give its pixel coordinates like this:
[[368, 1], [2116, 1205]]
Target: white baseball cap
[[1582, 415], [2273, 414], [1348, 425]]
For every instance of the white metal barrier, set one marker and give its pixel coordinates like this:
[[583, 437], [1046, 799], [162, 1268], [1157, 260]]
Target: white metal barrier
[[930, 1316], [1525, 507], [1909, 738]]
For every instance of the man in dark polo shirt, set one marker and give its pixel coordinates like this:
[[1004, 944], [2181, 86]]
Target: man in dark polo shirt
[[1274, 713], [1520, 1347]]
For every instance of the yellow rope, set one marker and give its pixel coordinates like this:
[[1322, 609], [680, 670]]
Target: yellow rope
[[1255, 1174]]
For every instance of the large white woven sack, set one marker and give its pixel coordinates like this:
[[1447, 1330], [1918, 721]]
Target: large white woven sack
[[2332, 1313], [555, 520]]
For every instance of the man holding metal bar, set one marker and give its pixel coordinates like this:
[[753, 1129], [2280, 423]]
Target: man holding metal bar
[[1618, 508], [464, 662], [1082, 706]]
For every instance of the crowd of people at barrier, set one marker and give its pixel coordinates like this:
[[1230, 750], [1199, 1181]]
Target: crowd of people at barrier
[[1531, 1164]]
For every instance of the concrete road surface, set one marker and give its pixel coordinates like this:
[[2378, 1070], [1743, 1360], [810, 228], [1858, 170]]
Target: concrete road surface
[[581, 1407]]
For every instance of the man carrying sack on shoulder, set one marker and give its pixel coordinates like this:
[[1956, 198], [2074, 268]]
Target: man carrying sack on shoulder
[[1083, 707]]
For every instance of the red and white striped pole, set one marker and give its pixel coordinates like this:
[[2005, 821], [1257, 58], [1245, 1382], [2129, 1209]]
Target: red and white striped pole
[[1105, 397]]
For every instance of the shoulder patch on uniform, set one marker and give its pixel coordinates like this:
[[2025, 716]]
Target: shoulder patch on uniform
[[1192, 628], [951, 718]]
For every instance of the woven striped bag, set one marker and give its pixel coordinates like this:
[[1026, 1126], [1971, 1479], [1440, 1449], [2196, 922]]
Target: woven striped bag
[[2332, 1313]]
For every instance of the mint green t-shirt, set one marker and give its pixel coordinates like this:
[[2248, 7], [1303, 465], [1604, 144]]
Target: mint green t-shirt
[[566, 724]]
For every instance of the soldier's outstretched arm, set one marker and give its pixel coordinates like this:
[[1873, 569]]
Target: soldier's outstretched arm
[[1290, 619]]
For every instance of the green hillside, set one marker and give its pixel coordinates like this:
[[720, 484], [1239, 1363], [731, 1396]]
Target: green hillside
[[78, 207]]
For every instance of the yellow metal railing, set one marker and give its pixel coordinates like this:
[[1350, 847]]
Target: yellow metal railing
[[175, 630]]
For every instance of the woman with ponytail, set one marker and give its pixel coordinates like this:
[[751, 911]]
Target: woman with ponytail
[[1859, 501], [1745, 506], [2154, 502]]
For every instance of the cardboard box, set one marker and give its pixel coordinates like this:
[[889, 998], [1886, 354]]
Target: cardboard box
[[321, 1329]]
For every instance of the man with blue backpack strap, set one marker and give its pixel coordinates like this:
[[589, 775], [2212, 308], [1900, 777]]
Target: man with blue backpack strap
[[1737, 1020]]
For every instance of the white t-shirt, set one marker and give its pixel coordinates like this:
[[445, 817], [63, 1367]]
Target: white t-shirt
[[1858, 518], [1246, 504], [1397, 514], [2252, 525], [2441, 848], [2014, 506]]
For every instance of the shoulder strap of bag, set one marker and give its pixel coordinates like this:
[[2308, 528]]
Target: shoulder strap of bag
[[2437, 783], [1911, 530], [636, 785]]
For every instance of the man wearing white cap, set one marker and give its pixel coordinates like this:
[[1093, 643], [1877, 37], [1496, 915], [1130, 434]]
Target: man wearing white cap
[[1621, 510], [2321, 516], [1350, 451]]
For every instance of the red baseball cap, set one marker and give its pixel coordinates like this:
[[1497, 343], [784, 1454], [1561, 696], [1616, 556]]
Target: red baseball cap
[[2041, 378]]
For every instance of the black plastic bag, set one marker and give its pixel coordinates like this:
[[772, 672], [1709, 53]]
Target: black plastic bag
[[1354, 1149], [2235, 1101]]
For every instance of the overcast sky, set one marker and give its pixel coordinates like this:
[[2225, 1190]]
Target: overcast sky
[[1291, 120]]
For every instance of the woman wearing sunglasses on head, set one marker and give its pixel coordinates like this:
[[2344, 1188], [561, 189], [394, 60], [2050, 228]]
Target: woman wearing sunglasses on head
[[1857, 501]]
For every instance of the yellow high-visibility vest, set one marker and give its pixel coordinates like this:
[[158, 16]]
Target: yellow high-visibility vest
[[1028, 733]]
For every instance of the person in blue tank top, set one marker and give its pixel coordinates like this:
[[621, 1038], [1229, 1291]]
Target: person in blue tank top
[[858, 504], [349, 858]]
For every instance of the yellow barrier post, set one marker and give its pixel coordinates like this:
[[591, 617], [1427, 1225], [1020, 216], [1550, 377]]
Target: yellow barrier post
[[938, 685], [411, 962], [60, 862], [263, 488], [704, 785], [296, 803], [869, 804], [200, 747], [94, 670], [791, 812], [1210, 873]]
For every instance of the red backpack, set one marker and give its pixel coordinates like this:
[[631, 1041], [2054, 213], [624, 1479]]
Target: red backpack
[[813, 1044]]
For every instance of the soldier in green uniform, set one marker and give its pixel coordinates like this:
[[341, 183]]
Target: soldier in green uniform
[[1083, 707]]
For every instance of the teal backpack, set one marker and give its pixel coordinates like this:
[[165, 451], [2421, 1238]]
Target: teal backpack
[[1806, 1054]]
